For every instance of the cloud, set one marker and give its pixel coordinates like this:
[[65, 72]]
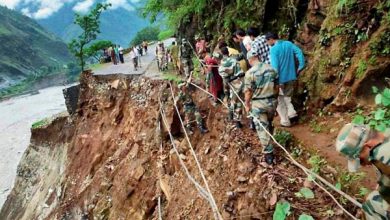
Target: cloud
[[26, 11], [83, 7], [41, 9], [120, 4], [10, 3]]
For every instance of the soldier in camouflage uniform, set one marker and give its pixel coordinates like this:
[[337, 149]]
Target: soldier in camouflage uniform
[[190, 109], [364, 145], [231, 73], [261, 99], [185, 56]]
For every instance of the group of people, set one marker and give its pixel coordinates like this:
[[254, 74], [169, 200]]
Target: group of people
[[114, 54], [263, 75]]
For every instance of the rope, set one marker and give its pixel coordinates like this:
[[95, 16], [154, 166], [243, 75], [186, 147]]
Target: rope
[[200, 189], [159, 208], [160, 168], [290, 158], [307, 171], [214, 204]]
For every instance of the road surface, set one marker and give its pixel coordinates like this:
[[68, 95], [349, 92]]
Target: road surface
[[19, 113]]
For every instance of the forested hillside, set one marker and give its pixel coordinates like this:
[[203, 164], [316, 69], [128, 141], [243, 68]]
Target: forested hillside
[[346, 42], [26, 48]]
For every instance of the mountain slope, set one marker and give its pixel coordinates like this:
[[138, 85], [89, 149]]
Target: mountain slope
[[119, 25], [26, 47]]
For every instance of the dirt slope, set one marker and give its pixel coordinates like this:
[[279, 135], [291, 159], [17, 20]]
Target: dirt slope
[[104, 163]]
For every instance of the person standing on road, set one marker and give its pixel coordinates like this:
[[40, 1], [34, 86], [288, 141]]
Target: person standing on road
[[116, 49], [133, 56], [145, 45], [139, 54], [261, 91], [363, 145], [120, 49], [111, 51], [185, 56], [174, 51], [160, 54], [283, 54]]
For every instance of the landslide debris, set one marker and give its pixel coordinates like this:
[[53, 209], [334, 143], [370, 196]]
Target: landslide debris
[[104, 162]]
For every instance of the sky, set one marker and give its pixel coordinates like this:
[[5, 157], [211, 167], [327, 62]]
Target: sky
[[41, 9]]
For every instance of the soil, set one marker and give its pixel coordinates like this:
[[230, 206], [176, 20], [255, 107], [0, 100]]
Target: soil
[[107, 163]]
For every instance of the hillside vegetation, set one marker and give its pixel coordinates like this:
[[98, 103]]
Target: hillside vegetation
[[346, 42], [26, 48]]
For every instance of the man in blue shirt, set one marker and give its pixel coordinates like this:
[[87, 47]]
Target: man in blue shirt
[[283, 55]]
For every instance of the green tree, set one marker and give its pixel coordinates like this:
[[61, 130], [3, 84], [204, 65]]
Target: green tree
[[95, 49], [149, 34], [90, 26]]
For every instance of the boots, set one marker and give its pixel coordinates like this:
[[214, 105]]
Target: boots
[[203, 129], [269, 158], [189, 130], [230, 116], [238, 124], [252, 125]]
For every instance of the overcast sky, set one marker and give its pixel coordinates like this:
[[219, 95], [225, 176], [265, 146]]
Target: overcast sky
[[41, 9]]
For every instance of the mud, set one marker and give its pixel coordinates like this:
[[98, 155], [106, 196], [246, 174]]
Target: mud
[[104, 163]]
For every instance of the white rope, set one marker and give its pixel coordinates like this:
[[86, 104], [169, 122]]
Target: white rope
[[161, 163], [159, 208], [214, 204], [289, 157], [200, 189], [307, 171]]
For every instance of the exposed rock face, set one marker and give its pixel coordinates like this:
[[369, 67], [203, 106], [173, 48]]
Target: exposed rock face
[[105, 162], [71, 95]]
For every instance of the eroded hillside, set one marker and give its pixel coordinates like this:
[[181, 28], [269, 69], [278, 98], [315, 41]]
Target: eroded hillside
[[105, 162]]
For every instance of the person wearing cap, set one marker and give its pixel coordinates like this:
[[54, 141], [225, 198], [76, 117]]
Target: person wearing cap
[[235, 54], [261, 90], [232, 74], [190, 109], [174, 52], [283, 54], [160, 53], [200, 45], [259, 45], [185, 56], [363, 145]]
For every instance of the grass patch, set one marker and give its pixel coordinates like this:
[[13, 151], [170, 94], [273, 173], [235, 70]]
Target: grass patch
[[361, 70], [172, 77], [38, 124]]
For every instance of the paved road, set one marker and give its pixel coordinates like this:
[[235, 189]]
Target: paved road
[[19, 113], [148, 63]]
